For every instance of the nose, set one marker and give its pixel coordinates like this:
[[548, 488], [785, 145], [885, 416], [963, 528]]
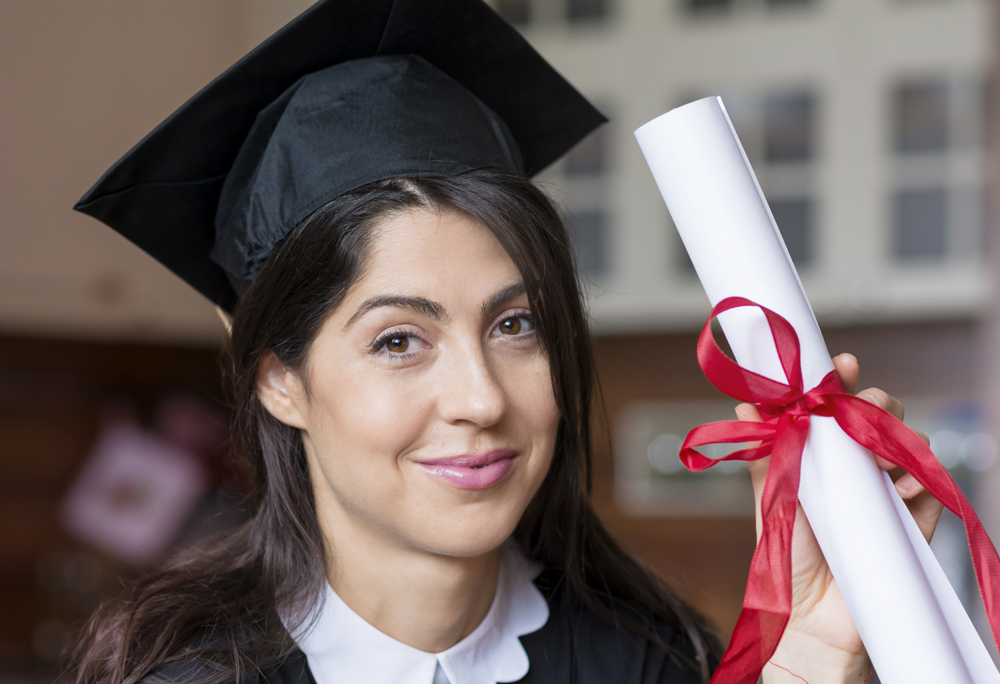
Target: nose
[[469, 391]]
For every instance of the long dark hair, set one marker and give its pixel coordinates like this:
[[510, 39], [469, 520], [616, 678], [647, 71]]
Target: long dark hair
[[219, 606]]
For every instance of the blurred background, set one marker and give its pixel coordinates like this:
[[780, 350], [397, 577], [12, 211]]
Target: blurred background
[[868, 123]]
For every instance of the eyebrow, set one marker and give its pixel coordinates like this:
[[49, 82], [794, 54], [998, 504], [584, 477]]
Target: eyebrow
[[431, 309], [419, 304], [501, 297]]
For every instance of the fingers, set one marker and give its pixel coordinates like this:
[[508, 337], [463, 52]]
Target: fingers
[[894, 406], [887, 403], [907, 485], [883, 400], [748, 412], [925, 509], [848, 369]]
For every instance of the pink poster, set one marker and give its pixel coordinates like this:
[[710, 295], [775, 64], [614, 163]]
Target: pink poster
[[134, 494]]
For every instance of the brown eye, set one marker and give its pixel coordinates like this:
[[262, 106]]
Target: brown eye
[[397, 345], [510, 326]]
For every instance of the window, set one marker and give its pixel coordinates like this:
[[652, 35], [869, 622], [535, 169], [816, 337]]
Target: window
[[794, 219], [921, 222], [920, 116], [586, 10], [586, 179], [517, 12], [588, 231], [937, 126], [789, 127], [698, 6], [589, 157]]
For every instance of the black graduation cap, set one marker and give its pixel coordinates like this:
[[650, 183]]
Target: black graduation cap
[[350, 92]]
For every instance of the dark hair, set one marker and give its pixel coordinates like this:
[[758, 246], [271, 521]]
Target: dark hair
[[220, 605]]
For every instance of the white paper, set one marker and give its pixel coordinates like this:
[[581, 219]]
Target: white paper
[[909, 617]]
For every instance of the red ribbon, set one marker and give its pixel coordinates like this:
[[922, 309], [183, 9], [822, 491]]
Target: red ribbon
[[786, 409]]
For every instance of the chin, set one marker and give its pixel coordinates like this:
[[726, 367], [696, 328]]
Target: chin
[[466, 535]]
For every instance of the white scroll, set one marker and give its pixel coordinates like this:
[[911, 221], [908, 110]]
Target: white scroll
[[912, 622]]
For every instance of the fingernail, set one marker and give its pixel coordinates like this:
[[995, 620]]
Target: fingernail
[[741, 412], [870, 398], [907, 486]]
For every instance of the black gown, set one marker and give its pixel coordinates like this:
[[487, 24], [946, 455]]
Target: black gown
[[575, 646]]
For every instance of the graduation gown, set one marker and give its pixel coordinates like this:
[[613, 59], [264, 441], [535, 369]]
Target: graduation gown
[[575, 646]]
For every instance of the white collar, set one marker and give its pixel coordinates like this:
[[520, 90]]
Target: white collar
[[341, 648]]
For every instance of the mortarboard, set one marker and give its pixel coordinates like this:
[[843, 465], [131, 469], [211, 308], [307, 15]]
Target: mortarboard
[[350, 92]]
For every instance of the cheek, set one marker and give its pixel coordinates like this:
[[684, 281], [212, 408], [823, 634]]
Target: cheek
[[358, 435], [532, 389], [531, 399]]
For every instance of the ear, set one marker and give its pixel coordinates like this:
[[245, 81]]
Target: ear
[[280, 391]]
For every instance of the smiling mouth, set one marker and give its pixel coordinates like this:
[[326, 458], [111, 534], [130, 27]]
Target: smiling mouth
[[480, 471]]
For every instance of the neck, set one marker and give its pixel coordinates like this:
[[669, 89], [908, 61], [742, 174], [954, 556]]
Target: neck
[[425, 600]]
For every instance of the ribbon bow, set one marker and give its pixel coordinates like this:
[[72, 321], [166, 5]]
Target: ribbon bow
[[786, 409]]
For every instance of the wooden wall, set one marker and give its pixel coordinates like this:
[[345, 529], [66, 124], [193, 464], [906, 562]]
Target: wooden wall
[[52, 397]]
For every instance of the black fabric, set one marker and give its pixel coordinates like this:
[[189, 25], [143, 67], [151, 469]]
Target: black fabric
[[343, 127], [575, 646], [474, 90]]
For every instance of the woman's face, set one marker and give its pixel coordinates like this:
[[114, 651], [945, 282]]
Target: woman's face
[[430, 419]]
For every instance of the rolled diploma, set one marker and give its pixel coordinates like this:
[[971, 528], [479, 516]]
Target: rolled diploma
[[908, 615]]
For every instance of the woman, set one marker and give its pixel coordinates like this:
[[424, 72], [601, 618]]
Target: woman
[[412, 380]]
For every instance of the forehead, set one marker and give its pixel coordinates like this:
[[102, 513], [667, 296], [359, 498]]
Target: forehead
[[434, 249]]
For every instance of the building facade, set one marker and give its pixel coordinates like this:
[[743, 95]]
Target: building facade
[[865, 121]]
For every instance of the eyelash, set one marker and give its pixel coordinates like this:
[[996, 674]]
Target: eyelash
[[378, 346], [520, 313]]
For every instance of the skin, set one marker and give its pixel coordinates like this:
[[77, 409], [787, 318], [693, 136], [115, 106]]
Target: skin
[[424, 342]]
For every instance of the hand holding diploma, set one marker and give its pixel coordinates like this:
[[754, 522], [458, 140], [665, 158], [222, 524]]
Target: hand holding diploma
[[821, 642]]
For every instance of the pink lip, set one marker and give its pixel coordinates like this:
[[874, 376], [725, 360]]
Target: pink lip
[[472, 471]]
